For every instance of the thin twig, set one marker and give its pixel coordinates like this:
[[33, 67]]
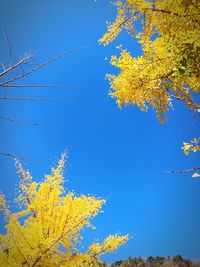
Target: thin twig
[[2, 65], [185, 171], [40, 86], [10, 49], [21, 61], [19, 157], [30, 99], [27, 123]]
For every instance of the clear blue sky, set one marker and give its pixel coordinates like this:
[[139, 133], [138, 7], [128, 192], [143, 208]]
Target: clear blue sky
[[117, 154]]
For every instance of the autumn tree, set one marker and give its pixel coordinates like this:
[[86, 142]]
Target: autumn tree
[[47, 230], [169, 34], [169, 66]]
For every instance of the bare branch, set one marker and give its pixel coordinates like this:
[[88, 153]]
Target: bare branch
[[10, 49], [18, 121], [185, 171], [30, 99], [40, 66], [21, 61], [2, 65], [19, 157], [40, 86], [27, 123]]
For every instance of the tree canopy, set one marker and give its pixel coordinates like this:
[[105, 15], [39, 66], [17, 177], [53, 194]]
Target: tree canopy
[[169, 67], [47, 231]]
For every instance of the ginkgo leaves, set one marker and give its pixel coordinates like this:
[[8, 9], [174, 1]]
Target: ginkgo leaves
[[139, 83], [110, 244], [48, 230], [169, 67], [193, 146]]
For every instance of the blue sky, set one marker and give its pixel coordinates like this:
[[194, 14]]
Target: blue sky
[[120, 155]]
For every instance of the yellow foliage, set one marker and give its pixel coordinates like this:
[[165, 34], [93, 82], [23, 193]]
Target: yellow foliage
[[169, 66], [48, 230], [193, 146], [110, 244]]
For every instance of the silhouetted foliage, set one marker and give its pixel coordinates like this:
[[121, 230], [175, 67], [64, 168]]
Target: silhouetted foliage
[[175, 261]]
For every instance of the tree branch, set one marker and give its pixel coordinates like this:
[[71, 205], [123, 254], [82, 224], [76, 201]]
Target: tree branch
[[26, 261], [189, 103], [40, 86], [23, 60], [55, 242], [185, 171], [163, 11], [40, 66], [30, 99], [27, 123], [10, 49], [58, 239], [19, 157]]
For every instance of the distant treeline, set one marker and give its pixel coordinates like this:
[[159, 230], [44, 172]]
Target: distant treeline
[[175, 261]]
